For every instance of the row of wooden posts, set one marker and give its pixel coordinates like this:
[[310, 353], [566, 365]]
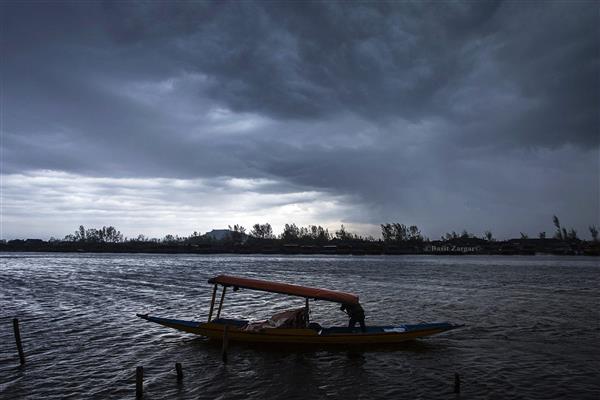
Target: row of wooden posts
[[139, 371], [139, 379]]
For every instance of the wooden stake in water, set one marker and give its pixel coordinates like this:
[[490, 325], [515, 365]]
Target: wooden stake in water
[[456, 383], [18, 340], [225, 340], [139, 382], [179, 371]]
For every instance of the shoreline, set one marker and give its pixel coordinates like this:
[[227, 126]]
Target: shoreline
[[356, 246], [594, 252]]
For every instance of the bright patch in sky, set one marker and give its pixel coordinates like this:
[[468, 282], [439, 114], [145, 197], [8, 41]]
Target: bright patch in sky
[[155, 206]]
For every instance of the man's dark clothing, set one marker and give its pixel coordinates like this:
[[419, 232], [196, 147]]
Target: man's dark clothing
[[356, 314]]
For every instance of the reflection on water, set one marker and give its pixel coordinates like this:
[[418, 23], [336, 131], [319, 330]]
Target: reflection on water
[[532, 327]]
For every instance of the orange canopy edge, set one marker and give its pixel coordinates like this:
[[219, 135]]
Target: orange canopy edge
[[285, 288]]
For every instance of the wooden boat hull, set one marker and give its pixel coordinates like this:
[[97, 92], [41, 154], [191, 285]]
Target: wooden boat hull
[[325, 336]]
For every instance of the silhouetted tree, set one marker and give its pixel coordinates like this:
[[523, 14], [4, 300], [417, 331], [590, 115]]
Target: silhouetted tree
[[524, 236], [414, 234], [111, 235], [465, 234], [542, 235], [77, 236], [169, 239], [290, 233], [318, 234], [594, 233], [450, 236], [397, 232], [488, 235], [262, 231], [387, 232], [103, 235], [400, 232], [556, 222], [343, 234], [572, 235], [313, 233], [238, 233]]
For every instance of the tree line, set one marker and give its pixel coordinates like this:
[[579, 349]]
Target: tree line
[[315, 234], [106, 234]]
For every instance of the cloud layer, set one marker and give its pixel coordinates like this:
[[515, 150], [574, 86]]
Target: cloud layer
[[477, 115]]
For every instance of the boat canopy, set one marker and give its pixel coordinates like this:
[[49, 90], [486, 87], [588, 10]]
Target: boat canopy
[[285, 288]]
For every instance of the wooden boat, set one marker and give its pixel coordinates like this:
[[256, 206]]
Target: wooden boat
[[293, 326]]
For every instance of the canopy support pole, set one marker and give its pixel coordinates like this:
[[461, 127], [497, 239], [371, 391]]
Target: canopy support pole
[[212, 302], [221, 302], [307, 312]]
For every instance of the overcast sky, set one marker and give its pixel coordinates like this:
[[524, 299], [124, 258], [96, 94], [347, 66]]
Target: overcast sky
[[164, 117]]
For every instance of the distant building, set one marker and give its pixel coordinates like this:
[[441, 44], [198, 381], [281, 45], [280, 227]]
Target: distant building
[[227, 234], [219, 234]]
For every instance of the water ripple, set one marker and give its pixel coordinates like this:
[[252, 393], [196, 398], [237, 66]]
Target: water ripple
[[532, 327]]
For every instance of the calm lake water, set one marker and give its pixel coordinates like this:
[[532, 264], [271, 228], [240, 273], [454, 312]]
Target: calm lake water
[[532, 327]]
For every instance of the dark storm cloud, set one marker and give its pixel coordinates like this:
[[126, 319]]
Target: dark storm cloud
[[409, 60], [495, 70], [399, 106]]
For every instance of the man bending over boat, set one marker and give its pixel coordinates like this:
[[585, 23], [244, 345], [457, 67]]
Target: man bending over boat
[[356, 314]]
